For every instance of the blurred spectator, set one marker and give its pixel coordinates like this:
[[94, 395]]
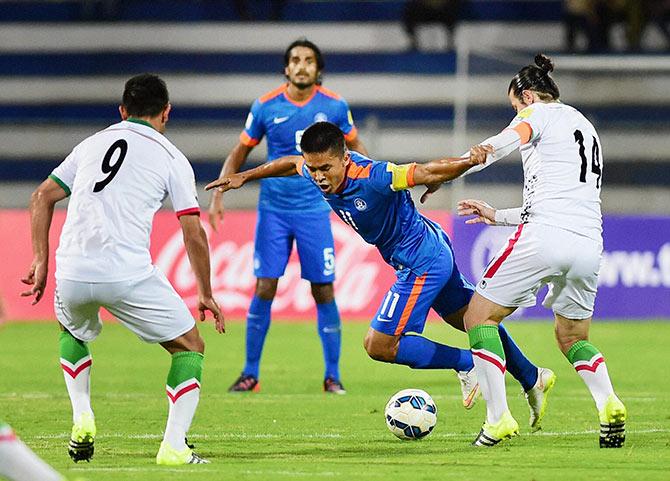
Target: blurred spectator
[[658, 13], [631, 14], [419, 12], [590, 18]]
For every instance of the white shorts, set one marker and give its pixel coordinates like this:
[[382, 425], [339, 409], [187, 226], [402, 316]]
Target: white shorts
[[150, 307], [536, 255]]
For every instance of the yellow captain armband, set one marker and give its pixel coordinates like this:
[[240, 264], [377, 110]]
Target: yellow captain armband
[[402, 176]]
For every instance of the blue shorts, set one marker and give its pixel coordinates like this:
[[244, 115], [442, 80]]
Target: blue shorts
[[275, 233], [405, 306]]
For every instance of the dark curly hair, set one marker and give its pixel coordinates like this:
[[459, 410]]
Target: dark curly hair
[[536, 78]]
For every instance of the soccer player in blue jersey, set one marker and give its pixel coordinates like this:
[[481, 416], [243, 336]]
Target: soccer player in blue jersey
[[290, 208], [372, 197]]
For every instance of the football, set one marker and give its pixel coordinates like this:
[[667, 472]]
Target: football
[[411, 414]]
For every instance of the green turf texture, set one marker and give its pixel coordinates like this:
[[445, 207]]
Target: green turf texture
[[292, 430]]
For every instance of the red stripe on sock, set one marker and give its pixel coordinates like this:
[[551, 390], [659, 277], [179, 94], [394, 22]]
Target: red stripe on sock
[[508, 250], [490, 359], [7, 438], [182, 391], [75, 373], [590, 367]]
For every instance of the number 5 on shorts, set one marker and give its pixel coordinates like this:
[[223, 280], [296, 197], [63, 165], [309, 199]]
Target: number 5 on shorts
[[328, 261]]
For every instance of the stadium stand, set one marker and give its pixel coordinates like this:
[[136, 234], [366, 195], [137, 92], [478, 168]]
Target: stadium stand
[[60, 79]]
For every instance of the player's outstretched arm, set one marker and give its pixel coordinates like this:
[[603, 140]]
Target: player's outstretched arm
[[42, 203], [232, 165], [484, 213], [444, 170], [282, 167], [197, 249]]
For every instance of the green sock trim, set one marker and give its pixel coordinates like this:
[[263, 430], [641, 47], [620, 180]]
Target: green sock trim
[[72, 349], [486, 337], [581, 351], [185, 365]]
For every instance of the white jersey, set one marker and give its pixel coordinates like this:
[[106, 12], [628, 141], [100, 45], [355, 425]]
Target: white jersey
[[562, 167], [118, 179]]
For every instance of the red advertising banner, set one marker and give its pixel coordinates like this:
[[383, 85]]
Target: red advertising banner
[[362, 276]]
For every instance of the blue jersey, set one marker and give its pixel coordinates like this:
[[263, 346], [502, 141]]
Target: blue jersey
[[282, 121], [375, 202]]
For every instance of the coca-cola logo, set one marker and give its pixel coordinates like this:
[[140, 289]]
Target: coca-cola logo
[[358, 269]]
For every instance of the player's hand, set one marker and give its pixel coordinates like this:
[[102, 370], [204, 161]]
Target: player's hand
[[209, 304], [216, 210], [483, 212], [37, 278], [429, 190], [224, 184], [478, 153]]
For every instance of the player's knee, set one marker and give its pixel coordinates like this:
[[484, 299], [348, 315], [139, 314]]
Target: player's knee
[[266, 288], [323, 293], [377, 350]]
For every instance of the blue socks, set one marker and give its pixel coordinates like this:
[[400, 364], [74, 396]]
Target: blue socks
[[330, 332], [420, 353], [258, 323], [518, 364]]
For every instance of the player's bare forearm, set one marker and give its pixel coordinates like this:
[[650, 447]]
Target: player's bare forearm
[[444, 170], [357, 146], [42, 204], [282, 167], [197, 249], [235, 160], [232, 165]]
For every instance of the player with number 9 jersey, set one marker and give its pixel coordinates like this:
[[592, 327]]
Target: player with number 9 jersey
[[116, 180]]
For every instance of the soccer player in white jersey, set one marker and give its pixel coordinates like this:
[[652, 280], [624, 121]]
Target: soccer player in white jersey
[[117, 180], [558, 242]]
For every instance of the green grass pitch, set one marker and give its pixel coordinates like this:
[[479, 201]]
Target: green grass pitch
[[291, 430]]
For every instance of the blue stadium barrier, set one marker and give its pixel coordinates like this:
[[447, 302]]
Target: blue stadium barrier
[[77, 64], [602, 116], [645, 174]]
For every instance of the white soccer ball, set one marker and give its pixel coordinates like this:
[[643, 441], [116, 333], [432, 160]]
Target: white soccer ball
[[411, 414]]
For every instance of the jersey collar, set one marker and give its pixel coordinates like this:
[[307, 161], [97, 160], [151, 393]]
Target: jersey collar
[[304, 102], [139, 121]]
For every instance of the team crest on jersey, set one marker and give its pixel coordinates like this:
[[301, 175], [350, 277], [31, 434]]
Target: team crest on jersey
[[360, 204], [320, 117]]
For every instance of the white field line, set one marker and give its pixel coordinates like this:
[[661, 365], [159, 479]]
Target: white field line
[[185, 469], [224, 436], [194, 469]]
